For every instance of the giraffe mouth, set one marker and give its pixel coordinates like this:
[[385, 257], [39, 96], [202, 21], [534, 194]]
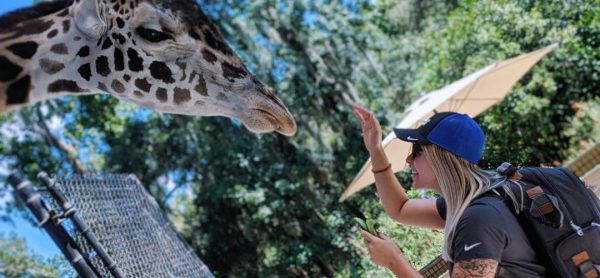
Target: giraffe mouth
[[263, 120]]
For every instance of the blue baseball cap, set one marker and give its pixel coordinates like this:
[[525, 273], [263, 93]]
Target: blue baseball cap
[[454, 132]]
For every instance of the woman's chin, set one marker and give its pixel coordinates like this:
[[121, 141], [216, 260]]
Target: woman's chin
[[418, 186], [416, 183]]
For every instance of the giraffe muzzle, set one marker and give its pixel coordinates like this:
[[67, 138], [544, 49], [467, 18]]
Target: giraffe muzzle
[[269, 119]]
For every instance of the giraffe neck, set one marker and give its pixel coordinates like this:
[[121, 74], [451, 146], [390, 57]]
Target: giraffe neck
[[40, 57]]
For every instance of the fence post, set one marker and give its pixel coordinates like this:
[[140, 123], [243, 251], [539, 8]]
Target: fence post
[[59, 235]]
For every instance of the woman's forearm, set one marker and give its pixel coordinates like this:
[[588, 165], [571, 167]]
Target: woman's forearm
[[391, 193]]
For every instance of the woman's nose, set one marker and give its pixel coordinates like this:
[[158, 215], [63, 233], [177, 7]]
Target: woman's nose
[[409, 158]]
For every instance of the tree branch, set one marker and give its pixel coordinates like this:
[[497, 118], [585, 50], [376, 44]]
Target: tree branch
[[41, 128]]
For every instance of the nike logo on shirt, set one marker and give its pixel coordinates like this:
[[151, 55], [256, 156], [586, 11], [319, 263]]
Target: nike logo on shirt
[[469, 247]]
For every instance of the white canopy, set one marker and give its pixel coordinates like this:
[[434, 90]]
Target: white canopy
[[470, 95]]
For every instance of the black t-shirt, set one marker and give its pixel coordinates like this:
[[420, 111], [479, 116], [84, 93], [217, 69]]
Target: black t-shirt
[[489, 230]]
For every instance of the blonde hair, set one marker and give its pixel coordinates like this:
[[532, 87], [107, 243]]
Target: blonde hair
[[460, 182]]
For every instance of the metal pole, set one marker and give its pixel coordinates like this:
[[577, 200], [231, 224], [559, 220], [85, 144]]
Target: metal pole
[[32, 198], [71, 212]]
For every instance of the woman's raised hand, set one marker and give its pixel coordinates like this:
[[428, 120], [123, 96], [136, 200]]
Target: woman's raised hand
[[371, 129]]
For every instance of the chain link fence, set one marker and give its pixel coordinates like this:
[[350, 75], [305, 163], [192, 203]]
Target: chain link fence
[[113, 225]]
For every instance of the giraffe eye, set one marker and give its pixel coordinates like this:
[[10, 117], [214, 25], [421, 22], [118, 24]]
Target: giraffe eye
[[152, 35]]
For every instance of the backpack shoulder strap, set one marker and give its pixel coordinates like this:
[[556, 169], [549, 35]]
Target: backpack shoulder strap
[[534, 183]]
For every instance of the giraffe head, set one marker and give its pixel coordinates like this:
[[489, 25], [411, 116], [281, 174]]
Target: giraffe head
[[163, 54]]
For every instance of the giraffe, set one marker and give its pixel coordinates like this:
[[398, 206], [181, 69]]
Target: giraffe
[[166, 55]]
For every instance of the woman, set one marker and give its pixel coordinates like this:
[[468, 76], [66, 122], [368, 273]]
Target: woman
[[482, 237]]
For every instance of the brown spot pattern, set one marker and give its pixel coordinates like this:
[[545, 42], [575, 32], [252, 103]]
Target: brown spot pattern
[[25, 50], [120, 23], [102, 66], [231, 72], [66, 25], [201, 86], [161, 95], [63, 85], [119, 60], [143, 84], [32, 27], [84, 51], [9, 70], [60, 48], [161, 71], [18, 92], [85, 71], [51, 66], [181, 96], [107, 43], [52, 33], [209, 56], [118, 38], [117, 86], [102, 87], [138, 94]]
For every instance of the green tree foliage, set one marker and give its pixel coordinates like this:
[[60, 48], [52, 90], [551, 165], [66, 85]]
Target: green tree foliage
[[266, 205], [17, 261], [529, 126]]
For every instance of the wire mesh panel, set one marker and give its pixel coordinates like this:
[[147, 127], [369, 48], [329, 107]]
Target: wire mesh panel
[[127, 222]]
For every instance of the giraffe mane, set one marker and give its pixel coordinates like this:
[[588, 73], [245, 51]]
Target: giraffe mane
[[45, 8]]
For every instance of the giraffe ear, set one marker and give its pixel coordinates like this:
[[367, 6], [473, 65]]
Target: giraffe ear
[[89, 18]]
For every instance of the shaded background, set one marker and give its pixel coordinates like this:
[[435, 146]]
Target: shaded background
[[266, 205]]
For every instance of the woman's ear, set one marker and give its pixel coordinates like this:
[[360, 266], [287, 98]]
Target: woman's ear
[[89, 18]]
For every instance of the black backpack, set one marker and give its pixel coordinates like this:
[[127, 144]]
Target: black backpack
[[561, 217]]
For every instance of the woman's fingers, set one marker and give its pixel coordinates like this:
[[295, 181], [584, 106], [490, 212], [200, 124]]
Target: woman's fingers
[[360, 109], [364, 117], [369, 125], [358, 116], [370, 238], [365, 235]]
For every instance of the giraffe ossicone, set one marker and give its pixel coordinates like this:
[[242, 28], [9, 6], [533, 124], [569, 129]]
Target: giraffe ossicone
[[166, 55]]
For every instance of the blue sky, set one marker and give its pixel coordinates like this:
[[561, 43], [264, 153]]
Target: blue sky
[[37, 239], [9, 5]]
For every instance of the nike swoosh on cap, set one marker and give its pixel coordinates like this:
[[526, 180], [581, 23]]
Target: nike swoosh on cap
[[412, 139], [469, 247]]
